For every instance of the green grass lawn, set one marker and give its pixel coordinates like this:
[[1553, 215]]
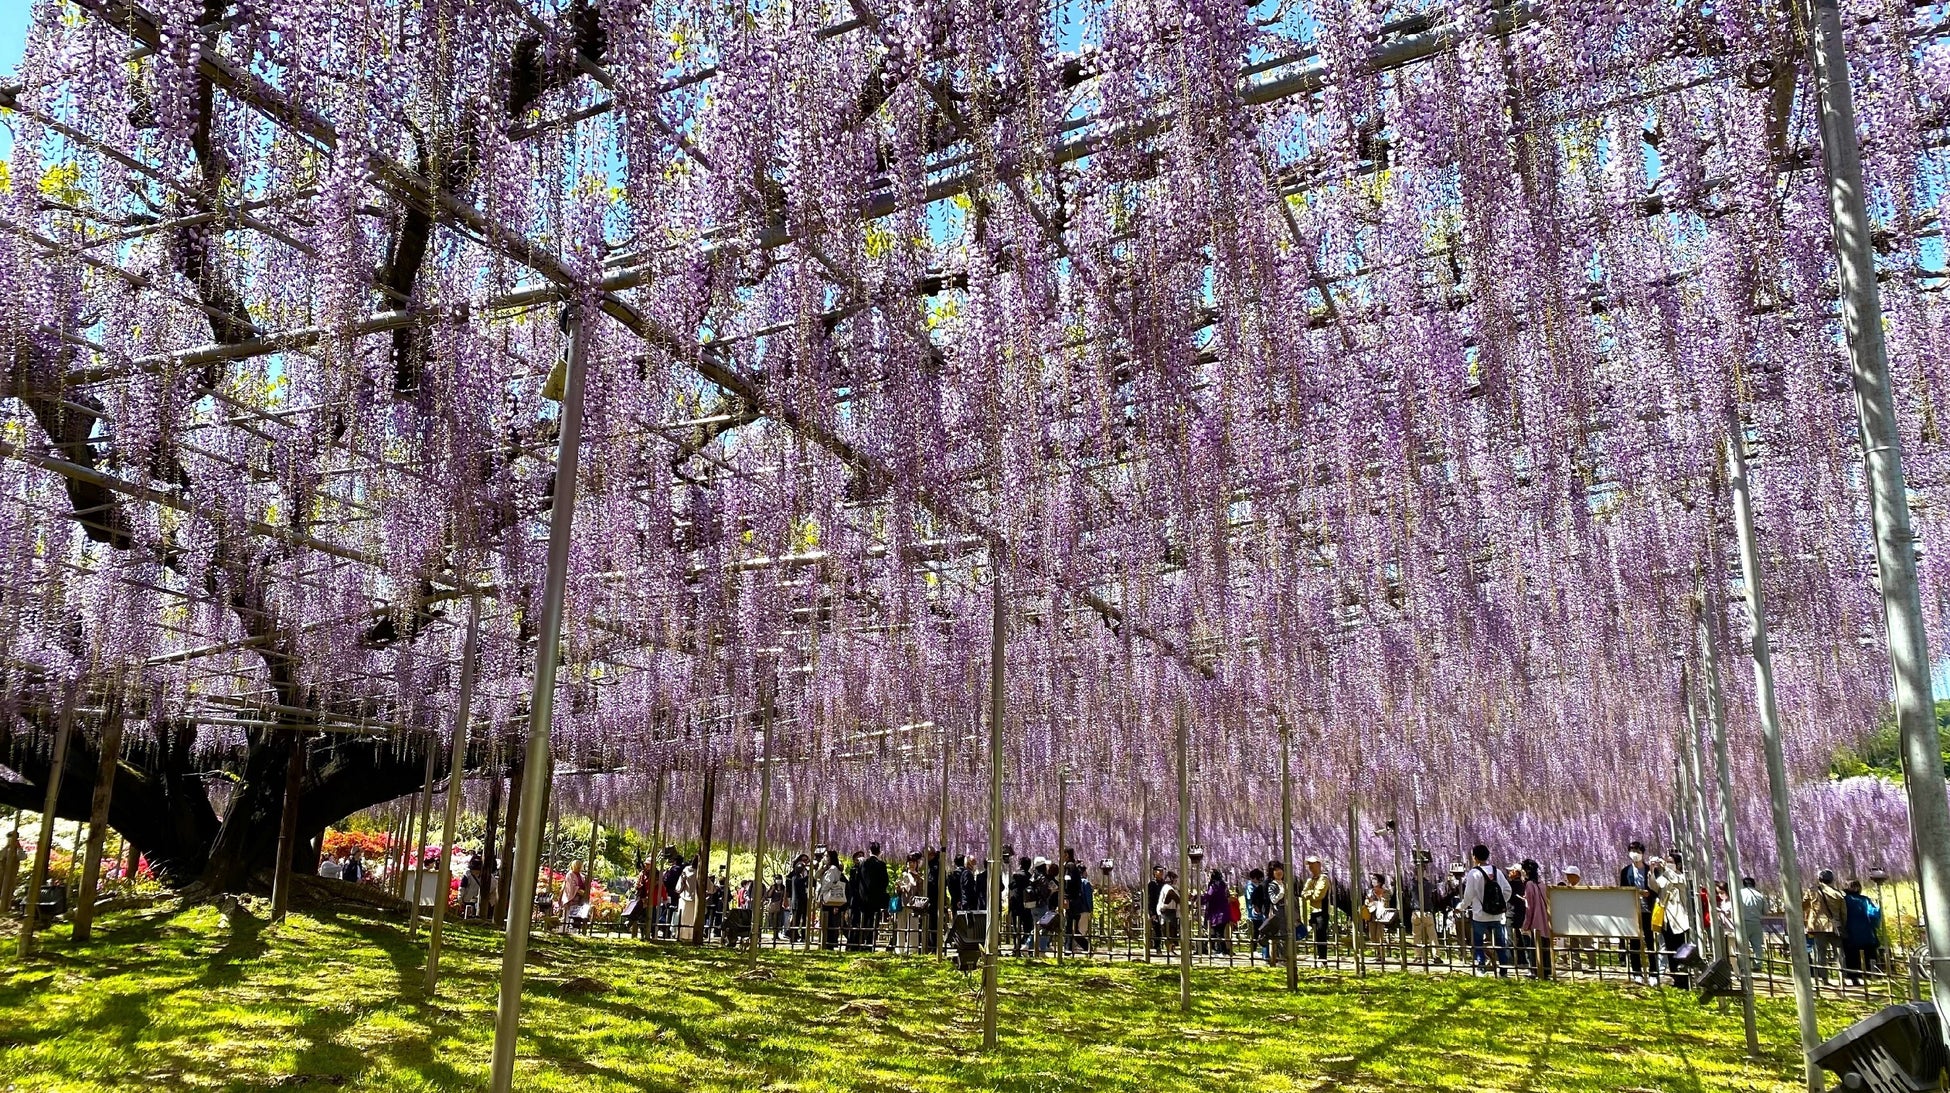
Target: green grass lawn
[[167, 1000]]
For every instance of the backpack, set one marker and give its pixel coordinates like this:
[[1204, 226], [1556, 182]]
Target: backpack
[[1492, 893]]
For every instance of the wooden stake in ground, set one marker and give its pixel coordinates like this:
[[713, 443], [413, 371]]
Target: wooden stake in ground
[[91, 868], [1184, 864], [294, 776], [44, 845]]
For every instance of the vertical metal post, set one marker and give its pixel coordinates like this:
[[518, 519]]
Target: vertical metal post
[[1144, 867], [1770, 733], [1357, 893], [541, 712], [941, 909], [1875, 404], [416, 863], [1287, 944], [992, 967], [1696, 853], [44, 844], [1730, 842], [1062, 868], [91, 867], [294, 784], [757, 902], [456, 767], [700, 876], [1184, 861]]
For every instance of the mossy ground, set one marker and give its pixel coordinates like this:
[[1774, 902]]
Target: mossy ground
[[186, 1000]]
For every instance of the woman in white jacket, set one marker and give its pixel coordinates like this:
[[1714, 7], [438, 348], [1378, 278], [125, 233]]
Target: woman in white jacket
[[690, 903], [1673, 891], [831, 894]]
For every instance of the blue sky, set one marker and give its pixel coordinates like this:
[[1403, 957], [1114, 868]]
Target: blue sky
[[13, 34]]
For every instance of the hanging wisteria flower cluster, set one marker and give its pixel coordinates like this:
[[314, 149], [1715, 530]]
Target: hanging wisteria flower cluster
[[1357, 375]]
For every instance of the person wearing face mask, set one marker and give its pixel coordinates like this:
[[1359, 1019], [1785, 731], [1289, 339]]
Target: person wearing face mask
[[1635, 875], [1675, 895]]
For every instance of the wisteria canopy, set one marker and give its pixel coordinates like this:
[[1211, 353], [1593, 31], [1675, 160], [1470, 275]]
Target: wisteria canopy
[[1359, 372]]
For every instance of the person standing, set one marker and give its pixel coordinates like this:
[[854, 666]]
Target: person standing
[[1217, 905], [1083, 908], [1425, 903], [1861, 933], [1485, 897], [874, 885], [575, 896], [798, 897], [1536, 919], [1170, 904], [832, 900], [1317, 892], [1279, 932], [1257, 909], [1753, 913], [1826, 911], [1674, 891], [1019, 915], [1642, 964], [911, 887], [673, 881]]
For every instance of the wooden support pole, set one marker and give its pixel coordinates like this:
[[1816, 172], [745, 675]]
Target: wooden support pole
[[91, 868], [44, 845], [294, 775]]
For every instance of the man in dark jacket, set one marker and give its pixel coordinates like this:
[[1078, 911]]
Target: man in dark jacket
[[798, 892], [673, 878], [930, 912], [1151, 893], [873, 897], [1643, 965], [1019, 921]]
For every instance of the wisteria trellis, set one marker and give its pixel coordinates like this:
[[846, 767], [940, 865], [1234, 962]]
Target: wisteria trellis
[[1357, 366]]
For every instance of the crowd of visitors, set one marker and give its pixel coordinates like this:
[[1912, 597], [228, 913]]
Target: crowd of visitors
[[1495, 919]]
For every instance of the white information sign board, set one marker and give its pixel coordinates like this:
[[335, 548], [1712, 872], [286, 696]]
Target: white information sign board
[[1580, 911]]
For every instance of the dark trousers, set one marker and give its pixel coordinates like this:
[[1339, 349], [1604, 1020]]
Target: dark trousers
[[1669, 943], [1635, 951], [830, 920], [1317, 925], [1021, 925]]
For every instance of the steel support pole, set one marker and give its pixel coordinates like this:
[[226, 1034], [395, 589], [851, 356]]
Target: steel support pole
[[992, 967], [456, 767], [91, 864], [1287, 944], [757, 903], [541, 712], [1063, 877], [1770, 732], [44, 843], [417, 863], [1184, 861], [1696, 853], [294, 785], [1875, 404], [941, 910], [1144, 867], [1729, 838], [1357, 892]]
